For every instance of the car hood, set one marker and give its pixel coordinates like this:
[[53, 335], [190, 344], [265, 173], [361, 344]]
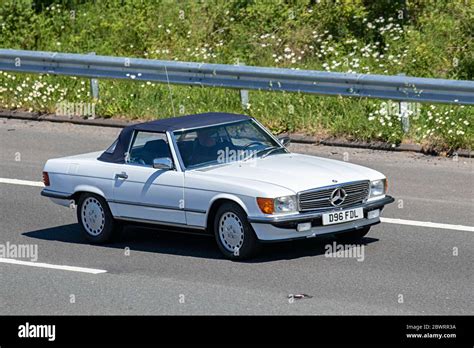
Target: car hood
[[296, 172]]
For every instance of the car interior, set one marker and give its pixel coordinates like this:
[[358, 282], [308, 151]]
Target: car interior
[[192, 152], [149, 151]]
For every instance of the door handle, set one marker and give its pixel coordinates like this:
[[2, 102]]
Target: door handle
[[122, 175]]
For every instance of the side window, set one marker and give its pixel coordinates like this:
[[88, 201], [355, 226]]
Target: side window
[[147, 146], [111, 148]]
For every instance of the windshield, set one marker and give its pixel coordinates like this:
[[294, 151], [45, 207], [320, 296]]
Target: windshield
[[224, 143]]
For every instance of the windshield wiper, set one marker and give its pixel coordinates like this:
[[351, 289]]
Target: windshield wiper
[[270, 149]]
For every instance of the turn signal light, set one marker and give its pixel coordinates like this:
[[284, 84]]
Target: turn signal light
[[265, 204], [45, 179]]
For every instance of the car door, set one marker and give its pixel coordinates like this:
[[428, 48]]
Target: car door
[[143, 193]]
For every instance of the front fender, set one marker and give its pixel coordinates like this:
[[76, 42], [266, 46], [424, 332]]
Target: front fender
[[229, 197], [244, 202]]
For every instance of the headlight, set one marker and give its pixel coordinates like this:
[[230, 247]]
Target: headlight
[[286, 204], [378, 188]]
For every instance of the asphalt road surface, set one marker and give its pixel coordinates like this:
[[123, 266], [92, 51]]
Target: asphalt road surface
[[420, 264]]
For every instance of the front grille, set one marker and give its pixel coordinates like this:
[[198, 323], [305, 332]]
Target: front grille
[[318, 199]]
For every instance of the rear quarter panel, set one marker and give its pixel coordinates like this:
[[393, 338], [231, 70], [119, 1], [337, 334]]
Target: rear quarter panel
[[82, 173]]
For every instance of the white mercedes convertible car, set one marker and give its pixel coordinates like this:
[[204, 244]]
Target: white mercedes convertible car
[[220, 174]]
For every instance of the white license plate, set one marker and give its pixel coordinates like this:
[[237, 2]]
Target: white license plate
[[337, 217]]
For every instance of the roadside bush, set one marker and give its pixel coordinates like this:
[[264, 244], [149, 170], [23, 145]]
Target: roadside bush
[[423, 38]]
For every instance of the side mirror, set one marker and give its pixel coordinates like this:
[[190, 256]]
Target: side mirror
[[284, 141], [163, 163]]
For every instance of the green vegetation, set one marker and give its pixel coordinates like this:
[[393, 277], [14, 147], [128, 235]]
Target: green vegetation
[[425, 38]]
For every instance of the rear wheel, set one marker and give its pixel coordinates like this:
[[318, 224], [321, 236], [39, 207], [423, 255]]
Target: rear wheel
[[234, 234], [353, 235], [95, 218]]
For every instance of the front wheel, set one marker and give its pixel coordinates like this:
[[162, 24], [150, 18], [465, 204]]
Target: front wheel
[[234, 234], [95, 218]]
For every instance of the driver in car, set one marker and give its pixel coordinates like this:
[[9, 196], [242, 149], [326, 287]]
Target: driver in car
[[206, 148]]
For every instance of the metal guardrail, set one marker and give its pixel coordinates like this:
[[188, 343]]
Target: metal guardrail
[[403, 88]]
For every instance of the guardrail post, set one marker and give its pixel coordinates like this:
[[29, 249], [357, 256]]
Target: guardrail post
[[403, 111], [94, 83], [244, 96], [405, 116]]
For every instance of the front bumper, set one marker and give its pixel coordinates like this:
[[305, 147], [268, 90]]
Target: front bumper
[[284, 227]]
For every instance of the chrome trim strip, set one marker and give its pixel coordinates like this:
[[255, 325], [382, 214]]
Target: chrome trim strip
[[175, 151], [156, 222], [157, 206], [86, 176], [126, 155]]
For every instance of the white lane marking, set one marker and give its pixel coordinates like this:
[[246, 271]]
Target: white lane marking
[[21, 182], [48, 265], [427, 224]]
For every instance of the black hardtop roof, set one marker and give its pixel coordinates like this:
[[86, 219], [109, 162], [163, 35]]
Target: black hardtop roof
[[188, 121]]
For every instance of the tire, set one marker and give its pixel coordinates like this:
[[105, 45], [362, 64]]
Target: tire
[[97, 223], [234, 234], [353, 235]]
